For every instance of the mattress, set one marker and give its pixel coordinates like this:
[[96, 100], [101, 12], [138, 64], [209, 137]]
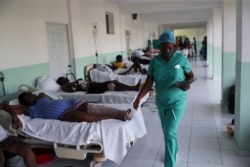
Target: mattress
[[110, 97]]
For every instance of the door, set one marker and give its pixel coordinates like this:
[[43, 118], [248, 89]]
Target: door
[[128, 47], [58, 49]]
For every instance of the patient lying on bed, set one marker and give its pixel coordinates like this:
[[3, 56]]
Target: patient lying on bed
[[94, 87], [71, 110]]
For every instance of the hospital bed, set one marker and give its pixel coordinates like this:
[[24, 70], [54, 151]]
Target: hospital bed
[[76, 140], [110, 97], [104, 73], [121, 97], [49, 85]]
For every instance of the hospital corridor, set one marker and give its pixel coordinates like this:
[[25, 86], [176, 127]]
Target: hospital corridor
[[203, 138]]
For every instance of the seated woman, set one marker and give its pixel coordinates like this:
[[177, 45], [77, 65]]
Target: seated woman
[[94, 87], [71, 110]]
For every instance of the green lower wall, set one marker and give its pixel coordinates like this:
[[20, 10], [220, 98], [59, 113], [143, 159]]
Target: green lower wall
[[217, 62], [228, 74], [242, 107], [29, 74], [23, 75]]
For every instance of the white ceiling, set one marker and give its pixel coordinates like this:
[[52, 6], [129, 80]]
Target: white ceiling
[[175, 13]]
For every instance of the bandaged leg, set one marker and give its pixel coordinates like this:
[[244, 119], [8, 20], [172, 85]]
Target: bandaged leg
[[101, 109]]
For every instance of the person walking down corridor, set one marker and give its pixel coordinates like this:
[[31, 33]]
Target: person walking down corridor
[[167, 70]]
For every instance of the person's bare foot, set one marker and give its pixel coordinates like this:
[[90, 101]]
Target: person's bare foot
[[124, 116], [127, 115]]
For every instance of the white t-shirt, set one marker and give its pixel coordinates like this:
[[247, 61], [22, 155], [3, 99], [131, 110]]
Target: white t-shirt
[[137, 54]]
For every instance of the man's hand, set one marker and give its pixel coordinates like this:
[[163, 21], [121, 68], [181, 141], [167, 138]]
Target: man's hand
[[185, 88], [10, 110], [15, 122], [42, 95], [136, 103]]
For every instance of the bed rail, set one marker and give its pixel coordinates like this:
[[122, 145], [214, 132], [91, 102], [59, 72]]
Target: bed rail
[[27, 88]]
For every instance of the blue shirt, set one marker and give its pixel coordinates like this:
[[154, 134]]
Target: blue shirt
[[166, 74], [50, 108]]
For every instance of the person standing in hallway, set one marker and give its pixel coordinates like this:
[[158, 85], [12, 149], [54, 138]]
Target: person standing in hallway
[[166, 70], [203, 50], [194, 46]]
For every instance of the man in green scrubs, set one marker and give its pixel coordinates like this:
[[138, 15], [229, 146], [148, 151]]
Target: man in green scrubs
[[166, 70]]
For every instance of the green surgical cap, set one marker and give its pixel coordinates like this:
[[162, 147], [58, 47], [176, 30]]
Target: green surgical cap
[[166, 36]]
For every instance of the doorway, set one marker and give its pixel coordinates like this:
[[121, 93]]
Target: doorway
[[58, 49], [128, 43]]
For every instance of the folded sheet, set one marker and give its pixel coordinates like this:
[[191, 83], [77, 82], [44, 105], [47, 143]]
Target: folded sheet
[[130, 79]]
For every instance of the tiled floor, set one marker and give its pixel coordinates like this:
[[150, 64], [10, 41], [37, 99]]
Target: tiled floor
[[203, 140]]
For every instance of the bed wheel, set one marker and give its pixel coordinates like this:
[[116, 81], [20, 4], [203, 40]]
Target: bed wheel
[[95, 164]]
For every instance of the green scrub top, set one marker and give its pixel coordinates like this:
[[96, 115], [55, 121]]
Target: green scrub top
[[166, 74]]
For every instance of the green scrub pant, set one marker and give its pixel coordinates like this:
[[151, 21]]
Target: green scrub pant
[[170, 120]]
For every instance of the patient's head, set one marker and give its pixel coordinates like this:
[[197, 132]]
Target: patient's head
[[119, 58], [27, 98], [62, 81]]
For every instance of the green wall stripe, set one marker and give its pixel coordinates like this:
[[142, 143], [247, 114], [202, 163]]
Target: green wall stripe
[[228, 73], [29, 74], [242, 106], [23, 75], [217, 62]]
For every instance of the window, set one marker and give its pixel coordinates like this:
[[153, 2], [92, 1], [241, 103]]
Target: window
[[110, 23]]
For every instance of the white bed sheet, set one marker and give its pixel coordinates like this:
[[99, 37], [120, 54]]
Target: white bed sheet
[[110, 97], [114, 138], [129, 79]]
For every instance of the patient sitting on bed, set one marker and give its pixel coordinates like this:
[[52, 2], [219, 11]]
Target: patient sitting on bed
[[118, 63], [94, 87], [71, 110], [135, 68]]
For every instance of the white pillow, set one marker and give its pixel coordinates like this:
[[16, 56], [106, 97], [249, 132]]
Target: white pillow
[[53, 96], [14, 102], [48, 84]]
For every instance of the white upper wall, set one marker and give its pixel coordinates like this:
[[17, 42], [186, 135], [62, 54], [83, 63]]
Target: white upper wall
[[136, 28], [84, 14], [229, 26], [217, 26], [23, 29]]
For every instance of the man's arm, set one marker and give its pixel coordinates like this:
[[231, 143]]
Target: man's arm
[[14, 110], [189, 78]]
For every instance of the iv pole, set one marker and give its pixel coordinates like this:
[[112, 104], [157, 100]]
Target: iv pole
[[96, 53], [2, 77]]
